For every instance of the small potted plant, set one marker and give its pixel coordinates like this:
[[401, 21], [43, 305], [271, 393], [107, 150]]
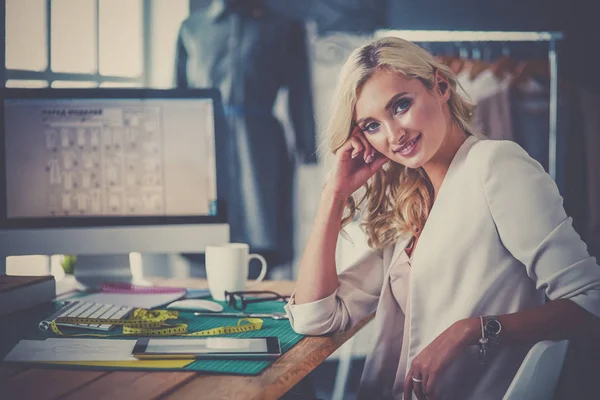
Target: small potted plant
[[68, 264]]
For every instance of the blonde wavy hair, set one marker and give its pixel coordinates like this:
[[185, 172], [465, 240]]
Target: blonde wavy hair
[[397, 200]]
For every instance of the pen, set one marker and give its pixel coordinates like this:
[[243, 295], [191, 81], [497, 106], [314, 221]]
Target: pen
[[275, 315]]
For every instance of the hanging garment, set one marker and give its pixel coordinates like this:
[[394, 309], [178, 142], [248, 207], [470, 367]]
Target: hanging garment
[[522, 114], [530, 109], [591, 119], [493, 113], [250, 53], [492, 97], [479, 87]]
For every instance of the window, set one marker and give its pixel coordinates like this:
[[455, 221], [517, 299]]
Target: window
[[78, 43]]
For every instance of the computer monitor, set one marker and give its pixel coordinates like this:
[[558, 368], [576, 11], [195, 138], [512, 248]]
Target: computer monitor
[[107, 172]]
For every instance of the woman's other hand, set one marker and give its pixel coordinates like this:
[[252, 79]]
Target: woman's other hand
[[431, 362], [355, 162]]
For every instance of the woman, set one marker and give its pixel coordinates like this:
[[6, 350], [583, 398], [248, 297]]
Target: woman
[[469, 236]]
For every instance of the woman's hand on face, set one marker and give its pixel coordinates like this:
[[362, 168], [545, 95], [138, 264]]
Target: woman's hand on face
[[432, 361], [355, 162]]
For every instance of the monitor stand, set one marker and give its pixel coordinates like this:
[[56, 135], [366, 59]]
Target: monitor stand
[[91, 271]]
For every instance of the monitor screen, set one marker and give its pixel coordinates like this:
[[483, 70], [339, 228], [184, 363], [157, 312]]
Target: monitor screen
[[78, 158]]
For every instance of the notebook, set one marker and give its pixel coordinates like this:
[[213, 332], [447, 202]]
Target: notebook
[[20, 292]]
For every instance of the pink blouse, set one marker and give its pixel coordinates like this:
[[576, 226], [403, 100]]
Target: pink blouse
[[399, 278]]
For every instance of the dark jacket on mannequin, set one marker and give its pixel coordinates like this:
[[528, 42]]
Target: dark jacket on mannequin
[[249, 53]]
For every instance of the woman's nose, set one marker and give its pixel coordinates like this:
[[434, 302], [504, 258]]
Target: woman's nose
[[395, 134]]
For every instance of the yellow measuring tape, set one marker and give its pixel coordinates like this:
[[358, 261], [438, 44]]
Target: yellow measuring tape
[[144, 322]]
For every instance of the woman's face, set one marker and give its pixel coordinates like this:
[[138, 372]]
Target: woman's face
[[401, 119]]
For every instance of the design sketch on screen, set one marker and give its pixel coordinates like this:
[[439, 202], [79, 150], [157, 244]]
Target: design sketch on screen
[[104, 161], [110, 157]]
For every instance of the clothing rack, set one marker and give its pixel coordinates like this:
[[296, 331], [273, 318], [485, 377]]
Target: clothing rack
[[500, 36]]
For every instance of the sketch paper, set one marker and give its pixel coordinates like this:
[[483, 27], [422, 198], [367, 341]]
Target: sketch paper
[[72, 350]]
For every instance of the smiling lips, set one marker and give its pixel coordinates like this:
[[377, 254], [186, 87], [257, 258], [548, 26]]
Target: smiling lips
[[407, 147]]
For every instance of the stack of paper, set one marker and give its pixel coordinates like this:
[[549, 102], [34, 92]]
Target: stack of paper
[[55, 349], [98, 352]]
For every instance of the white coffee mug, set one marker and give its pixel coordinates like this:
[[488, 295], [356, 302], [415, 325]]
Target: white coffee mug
[[227, 268]]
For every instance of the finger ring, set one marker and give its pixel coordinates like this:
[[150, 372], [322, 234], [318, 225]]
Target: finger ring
[[417, 380]]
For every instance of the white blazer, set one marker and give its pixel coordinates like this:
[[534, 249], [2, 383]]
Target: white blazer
[[497, 241]]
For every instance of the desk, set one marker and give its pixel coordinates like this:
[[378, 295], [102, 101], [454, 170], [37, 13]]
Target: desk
[[18, 382]]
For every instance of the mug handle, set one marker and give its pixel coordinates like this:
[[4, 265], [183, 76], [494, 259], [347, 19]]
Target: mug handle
[[263, 270]]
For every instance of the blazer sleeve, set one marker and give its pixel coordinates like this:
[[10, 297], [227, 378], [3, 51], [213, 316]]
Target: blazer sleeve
[[532, 224], [355, 298]]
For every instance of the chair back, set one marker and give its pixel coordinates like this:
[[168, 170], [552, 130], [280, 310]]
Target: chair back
[[538, 375]]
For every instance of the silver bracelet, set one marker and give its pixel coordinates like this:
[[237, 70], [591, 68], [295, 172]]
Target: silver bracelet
[[483, 342]]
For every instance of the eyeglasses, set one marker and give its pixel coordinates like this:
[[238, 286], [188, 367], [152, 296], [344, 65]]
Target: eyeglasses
[[240, 300]]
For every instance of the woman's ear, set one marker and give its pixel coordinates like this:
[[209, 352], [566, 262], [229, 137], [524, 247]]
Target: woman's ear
[[442, 86]]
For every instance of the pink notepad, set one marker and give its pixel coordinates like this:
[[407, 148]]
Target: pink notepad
[[129, 288], [125, 294]]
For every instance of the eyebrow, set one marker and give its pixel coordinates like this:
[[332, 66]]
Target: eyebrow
[[387, 106]]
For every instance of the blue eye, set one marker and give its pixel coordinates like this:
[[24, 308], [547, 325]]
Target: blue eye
[[371, 127], [402, 105]]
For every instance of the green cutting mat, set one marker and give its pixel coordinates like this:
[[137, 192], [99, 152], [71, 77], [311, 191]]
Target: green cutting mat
[[280, 328]]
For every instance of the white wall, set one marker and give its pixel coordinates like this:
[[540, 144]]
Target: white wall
[[167, 16]]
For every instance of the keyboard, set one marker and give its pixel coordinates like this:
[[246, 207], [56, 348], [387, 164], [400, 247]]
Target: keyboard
[[86, 309]]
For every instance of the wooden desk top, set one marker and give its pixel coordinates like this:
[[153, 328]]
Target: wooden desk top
[[17, 382]]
